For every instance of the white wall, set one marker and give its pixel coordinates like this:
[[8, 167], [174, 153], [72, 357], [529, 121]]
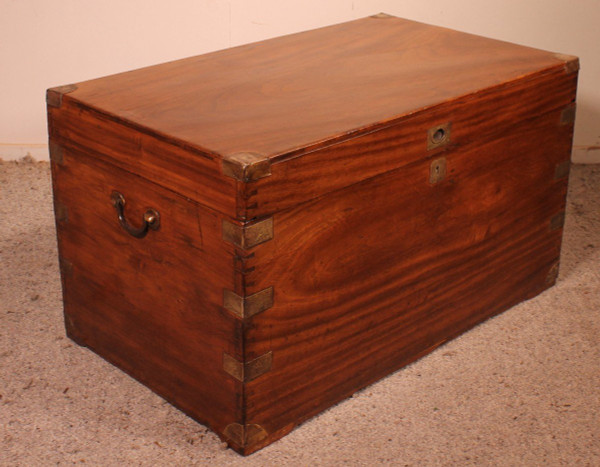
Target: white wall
[[46, 43]]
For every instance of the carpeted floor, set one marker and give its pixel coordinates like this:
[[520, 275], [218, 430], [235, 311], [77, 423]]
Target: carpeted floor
[[521, 389]]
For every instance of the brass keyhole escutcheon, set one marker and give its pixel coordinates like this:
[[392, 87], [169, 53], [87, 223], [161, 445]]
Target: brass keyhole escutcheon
[[437, 170]]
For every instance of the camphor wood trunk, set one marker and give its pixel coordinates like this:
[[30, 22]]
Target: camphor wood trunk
[[321, 209]]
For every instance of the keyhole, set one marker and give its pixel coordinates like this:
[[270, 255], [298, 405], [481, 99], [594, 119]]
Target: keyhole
[[437, 171]]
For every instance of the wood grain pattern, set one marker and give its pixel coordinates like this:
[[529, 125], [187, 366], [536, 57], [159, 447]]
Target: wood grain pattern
[[474, 120], [151, 306], [368, 261], [180, 168], [371, 277], [302, 90]]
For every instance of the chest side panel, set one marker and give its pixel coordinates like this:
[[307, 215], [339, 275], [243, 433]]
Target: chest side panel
[[369, 278], [153, 305], [190, 172]]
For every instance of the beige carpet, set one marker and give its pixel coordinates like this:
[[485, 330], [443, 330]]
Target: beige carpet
[[521, 389]]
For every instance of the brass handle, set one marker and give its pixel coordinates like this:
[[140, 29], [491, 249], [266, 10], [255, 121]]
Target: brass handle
[[151, 217]]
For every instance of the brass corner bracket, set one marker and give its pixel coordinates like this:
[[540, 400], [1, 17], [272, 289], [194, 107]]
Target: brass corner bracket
[[571, 62], [244, 435], [54, 95], [567, 116], [57, 153], [382, 16], [246, 166], [248, 235], [562, 169], [552, 273], [245, 307], [557, 221], [247, 371]]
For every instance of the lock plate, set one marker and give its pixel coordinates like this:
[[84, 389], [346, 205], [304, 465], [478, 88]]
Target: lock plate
[[437, 170]]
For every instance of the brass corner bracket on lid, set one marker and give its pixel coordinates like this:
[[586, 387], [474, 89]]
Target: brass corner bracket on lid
[[571, 62], [54, 95], [382, 16], [246, 166]]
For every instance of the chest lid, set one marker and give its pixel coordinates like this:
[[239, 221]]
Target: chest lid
[[267, 102]]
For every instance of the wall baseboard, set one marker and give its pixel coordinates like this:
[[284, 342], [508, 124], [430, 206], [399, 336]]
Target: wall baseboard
[[11, 152], [586, 155]]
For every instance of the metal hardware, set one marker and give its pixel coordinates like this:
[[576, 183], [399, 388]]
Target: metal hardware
[[437, 170], [244, 435], [54, 95], [151, 218], [245, 307], [60, 211], [438, 136], [557, 221], [552, 273], [66, 267], [246, 166], [248, 371], [69, 324], [562, 170], [248, 235], [571, 62], [567, 116], [56, 151], [382, 16]]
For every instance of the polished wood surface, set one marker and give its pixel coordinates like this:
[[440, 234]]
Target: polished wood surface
[[303, 90], [151, 306], [369, 278], [193, 174], [303, 176], [368, 262], [474, 119]]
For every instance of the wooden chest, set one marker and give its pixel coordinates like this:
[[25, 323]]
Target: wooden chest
[[257, 233]]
